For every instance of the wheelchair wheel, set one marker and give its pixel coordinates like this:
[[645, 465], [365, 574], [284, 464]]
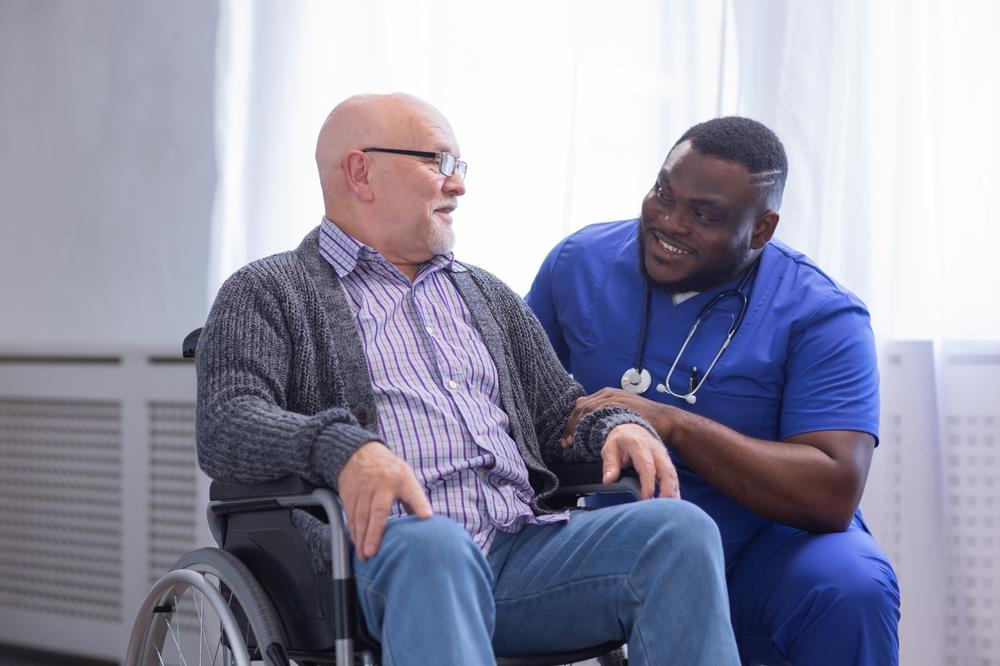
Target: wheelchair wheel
[[208, 609]]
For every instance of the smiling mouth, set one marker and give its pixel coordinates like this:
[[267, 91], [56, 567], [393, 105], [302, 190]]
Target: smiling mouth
[[667, 247]]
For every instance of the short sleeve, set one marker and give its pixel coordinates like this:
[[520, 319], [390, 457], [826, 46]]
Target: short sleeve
[[831, 372]]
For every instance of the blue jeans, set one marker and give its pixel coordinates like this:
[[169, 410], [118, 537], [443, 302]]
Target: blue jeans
[[649, 573]]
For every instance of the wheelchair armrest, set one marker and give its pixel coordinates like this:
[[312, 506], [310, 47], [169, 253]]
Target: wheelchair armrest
[[286, 485], [190, 345], [242, 497], [585, 479], [288, 492]]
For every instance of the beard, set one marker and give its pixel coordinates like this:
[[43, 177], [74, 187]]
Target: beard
[[701, 280], [442, 238]]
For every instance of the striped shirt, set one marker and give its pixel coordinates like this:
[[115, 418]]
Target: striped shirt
[[436, 388]]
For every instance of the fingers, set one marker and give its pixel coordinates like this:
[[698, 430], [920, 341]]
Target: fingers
[[667, 474], [581, 409], [415, 500], [611, 455], [584, 405], [633, 443], [357, 521], [372, 537], [369, 483], [642, 462]]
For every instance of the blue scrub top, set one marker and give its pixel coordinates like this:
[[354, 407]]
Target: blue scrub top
[[803, 359]]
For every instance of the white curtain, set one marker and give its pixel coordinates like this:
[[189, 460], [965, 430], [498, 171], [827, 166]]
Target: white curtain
[[888, 111], [564, 110]]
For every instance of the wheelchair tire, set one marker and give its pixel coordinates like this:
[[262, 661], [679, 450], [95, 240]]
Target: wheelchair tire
[[174, 627]]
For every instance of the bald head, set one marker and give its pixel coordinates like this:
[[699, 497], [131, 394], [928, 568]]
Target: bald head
[[361, 121], [398, 203]]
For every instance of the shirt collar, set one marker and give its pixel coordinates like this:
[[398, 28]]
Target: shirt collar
[[344, 252]]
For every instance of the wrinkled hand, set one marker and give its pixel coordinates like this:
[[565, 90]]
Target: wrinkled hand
[[373, 478], [631, 444], [648, 409]]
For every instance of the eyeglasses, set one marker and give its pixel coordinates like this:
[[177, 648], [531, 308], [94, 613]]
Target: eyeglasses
[[447, 163]]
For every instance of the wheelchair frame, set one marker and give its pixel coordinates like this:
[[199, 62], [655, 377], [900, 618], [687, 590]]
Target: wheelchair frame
[[256, 604], [255, 611]]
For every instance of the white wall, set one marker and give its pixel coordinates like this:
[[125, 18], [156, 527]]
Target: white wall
[[107, 169]]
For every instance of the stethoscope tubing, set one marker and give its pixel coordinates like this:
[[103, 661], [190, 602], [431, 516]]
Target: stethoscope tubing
[[636, 379]]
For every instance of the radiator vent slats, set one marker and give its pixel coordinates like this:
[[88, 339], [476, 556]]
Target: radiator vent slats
[[61, 506]]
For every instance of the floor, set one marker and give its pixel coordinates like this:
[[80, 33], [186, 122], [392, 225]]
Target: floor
[[15, 656]]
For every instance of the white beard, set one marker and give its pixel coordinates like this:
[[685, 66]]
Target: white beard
[[442, 238]]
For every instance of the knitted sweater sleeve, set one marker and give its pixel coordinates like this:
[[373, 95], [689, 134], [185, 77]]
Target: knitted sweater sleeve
[[246, 429]]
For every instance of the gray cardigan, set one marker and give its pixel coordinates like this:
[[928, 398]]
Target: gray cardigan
[[284, 388]]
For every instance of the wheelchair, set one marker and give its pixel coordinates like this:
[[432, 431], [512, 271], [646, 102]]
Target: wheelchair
[[258, 598]]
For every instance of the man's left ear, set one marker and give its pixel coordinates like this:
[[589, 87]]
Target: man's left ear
[[763, 229]]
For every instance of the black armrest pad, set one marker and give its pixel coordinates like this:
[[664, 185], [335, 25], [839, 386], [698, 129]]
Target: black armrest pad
[[190, 345], [286, 485], [573, 474], [585, 479]]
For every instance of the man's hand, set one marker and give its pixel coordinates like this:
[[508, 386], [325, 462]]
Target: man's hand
[[654, 412], [373, 478], [631, 444]]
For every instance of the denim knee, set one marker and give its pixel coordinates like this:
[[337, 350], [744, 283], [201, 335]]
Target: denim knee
[[436, 545], [682, 524]]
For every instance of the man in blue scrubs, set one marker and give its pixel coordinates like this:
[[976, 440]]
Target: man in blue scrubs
[[774, 437]]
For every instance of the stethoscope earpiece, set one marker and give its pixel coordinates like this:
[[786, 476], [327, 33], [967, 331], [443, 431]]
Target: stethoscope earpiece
[[690, 398]]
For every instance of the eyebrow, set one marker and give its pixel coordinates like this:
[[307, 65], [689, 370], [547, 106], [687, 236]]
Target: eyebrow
[[664, 182]]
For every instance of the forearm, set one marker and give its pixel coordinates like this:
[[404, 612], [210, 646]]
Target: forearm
[[790, 482], [249, 440]]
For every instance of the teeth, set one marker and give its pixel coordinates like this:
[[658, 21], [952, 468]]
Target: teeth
[[670, 248]]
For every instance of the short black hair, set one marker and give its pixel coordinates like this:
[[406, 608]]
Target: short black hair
[[746, 142]]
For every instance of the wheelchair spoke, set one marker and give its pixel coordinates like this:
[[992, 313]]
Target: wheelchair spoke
[[208, 587], [218, 645], [175, 635], [202, 638]]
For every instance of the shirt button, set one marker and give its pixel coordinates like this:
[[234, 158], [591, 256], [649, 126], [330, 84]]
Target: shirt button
[[452, 384], [430, 330]]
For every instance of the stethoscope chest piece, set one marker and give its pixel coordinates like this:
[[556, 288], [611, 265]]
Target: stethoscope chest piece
[[636, 381]]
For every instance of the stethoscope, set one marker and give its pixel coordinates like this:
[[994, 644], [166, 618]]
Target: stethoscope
[[637, 379]]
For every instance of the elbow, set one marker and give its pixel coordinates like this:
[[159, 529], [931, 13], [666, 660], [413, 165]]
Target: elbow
[[833, 516]]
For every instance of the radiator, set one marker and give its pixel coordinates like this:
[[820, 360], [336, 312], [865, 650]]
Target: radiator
[[99, 492], [933, 498]]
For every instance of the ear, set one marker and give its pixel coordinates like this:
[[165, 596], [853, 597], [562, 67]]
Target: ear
[[357, 175], [763, 229]]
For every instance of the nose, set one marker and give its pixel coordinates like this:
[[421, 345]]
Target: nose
[[455, 184], [673, 220]]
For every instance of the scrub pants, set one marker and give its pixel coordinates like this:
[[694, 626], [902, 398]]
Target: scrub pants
[[814, 599], [650, 573]]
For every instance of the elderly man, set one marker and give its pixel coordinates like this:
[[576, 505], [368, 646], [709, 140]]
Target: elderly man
[[758, 371], [369, 360]]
